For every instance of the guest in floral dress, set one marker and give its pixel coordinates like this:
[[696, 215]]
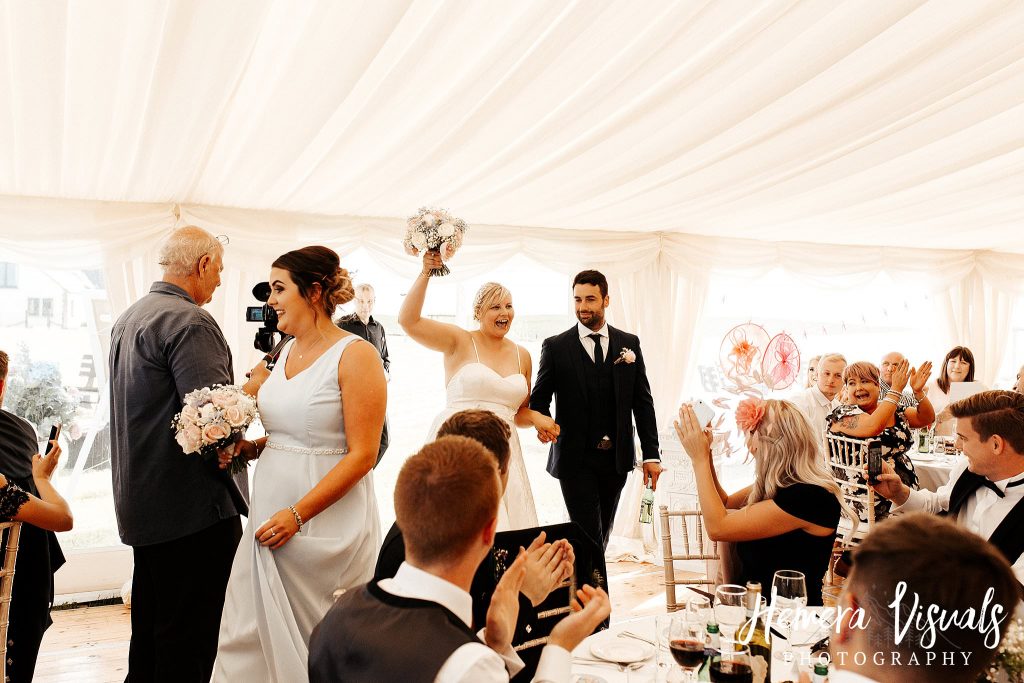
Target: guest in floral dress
[[872, 416]]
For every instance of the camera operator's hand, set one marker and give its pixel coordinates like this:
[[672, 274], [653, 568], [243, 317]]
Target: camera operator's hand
[[257, 376]]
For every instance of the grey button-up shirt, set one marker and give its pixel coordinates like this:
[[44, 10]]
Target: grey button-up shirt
[[163, 347]]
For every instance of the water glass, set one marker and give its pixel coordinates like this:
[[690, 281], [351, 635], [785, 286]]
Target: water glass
[[730, 610]]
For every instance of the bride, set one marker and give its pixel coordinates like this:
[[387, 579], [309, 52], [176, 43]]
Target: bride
[[484, 370]]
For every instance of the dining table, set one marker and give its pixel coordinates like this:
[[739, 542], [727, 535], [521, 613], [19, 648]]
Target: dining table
[[636, 651], [933, 468]]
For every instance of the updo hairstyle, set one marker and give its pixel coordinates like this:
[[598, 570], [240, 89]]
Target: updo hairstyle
[[318, 268], [488, 293]]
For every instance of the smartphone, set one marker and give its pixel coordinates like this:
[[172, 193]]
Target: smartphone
[[54, 433], [874, 461], [705, 413]]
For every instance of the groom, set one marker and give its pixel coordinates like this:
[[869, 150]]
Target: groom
[[597, 376]]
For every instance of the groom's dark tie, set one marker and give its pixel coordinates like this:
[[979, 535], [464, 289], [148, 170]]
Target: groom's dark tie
[[598, 355]]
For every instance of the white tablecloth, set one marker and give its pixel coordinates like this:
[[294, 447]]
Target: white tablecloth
[[933, 470], [813, 630]]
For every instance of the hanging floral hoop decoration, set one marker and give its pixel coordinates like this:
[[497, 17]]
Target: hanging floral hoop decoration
[[780, 365], [740, 355]]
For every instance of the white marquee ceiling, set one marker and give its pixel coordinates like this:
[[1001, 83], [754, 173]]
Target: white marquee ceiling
[[859, 121]]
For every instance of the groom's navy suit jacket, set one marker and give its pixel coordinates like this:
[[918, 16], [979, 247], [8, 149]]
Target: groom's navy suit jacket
[[560, 373]]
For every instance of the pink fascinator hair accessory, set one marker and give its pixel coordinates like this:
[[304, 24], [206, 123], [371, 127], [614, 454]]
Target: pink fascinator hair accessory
[[749, 414]]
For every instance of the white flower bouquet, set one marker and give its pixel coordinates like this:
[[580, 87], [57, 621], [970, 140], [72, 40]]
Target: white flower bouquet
[[1010, 658], [213, 418], [434, 230]]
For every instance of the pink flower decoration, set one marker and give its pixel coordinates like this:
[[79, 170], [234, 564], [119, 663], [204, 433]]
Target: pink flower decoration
[[749, 414]]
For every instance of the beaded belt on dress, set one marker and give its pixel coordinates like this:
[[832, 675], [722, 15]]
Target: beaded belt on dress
[[306, 451]]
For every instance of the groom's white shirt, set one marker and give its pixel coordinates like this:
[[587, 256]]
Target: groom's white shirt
[[473, 662], [588, 343]]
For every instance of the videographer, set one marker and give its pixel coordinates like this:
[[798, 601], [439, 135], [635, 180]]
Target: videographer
[[362, 323]]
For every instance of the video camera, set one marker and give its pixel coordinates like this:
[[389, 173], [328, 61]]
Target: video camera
[[264, 340]]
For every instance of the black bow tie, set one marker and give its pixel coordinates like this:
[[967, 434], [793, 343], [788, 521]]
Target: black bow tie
[[991, 486]]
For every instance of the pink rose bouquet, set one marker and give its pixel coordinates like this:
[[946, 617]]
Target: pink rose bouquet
[[214, 418], [434, 230]]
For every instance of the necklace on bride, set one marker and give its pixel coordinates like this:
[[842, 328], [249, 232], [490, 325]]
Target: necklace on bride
[[315, 344]]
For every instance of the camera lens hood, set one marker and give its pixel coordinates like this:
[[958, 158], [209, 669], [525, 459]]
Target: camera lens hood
[[261, 290]]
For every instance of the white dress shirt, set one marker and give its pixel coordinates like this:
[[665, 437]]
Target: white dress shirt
[[815, 405], [981, 513], [473, 662], [588, 343]]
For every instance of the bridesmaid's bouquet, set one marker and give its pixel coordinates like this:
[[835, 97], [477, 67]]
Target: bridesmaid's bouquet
[[434, 230], [214, 418]]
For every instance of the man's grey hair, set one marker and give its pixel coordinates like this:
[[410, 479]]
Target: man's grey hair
[[363, 287], [183, 248]]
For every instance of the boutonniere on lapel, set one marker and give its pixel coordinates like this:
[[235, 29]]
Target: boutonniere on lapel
[[625, 356]]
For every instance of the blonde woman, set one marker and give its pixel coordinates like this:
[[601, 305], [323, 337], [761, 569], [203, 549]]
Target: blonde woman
[[812, 371], [788, 518], [483, 370]]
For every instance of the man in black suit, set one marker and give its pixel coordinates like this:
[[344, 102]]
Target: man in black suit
[[597, 376]]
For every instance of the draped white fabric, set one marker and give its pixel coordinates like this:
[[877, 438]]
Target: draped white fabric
[[885, 122]]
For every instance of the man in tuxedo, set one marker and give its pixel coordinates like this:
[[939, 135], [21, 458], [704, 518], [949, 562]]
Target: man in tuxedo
[[180, 514], [597, 376], [985, 492]]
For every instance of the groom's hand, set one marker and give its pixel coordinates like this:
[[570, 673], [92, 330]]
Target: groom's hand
[[652, 470]]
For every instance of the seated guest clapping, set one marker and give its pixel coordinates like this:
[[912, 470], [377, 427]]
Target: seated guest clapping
[[985, 492], [869, 415], [926, 602], [548, 563], [788, 518], [416, 626]]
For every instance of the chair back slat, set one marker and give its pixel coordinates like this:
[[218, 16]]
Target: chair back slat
[[11, 531], [693, 548], [847, 460]]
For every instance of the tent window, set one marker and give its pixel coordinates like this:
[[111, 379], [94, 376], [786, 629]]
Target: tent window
[[8, 275]]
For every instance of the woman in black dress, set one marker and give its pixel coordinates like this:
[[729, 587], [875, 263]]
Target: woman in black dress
[[26, 495], [788, 518]]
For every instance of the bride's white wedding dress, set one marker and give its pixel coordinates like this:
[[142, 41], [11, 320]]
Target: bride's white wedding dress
[[275, 597], [476, 385]]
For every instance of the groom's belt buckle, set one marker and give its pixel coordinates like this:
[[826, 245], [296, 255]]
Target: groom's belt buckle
[[605, 444]]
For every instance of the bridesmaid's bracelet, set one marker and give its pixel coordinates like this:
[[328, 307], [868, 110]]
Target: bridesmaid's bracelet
[[298, 517]]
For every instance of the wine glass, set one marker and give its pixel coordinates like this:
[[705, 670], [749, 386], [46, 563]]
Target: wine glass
[[686, 642], [789, 590], [732, 665], [698, 609], [730, 610]]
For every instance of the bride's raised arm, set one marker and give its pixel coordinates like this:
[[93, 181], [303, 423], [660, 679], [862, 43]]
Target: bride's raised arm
[[434, 335]]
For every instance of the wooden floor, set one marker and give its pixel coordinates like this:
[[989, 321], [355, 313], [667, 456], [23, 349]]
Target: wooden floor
[[90, 644]]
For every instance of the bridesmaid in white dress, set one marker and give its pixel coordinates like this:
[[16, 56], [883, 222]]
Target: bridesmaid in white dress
[[314, 526], [484, 370]]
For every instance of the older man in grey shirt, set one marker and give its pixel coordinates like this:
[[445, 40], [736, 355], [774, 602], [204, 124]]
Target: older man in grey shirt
[[179, 513]]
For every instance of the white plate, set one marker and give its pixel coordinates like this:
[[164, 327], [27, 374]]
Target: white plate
[[923, 457], [611, 648]]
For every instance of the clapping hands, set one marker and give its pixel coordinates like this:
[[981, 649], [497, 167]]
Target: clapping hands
[[919, 377], [547, 566]]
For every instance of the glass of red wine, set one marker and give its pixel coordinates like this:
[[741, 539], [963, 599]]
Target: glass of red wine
[[686, 643], [732, 665]]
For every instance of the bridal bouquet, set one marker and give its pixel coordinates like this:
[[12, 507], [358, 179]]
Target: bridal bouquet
[[434, 230], [1010, 658], [213, 418]]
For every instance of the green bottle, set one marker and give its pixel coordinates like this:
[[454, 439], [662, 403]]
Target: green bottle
[[752, 633], [647, 506]]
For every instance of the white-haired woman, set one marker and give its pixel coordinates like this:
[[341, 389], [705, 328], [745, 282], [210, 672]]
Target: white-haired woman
[[787, 519], [483, 370]]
